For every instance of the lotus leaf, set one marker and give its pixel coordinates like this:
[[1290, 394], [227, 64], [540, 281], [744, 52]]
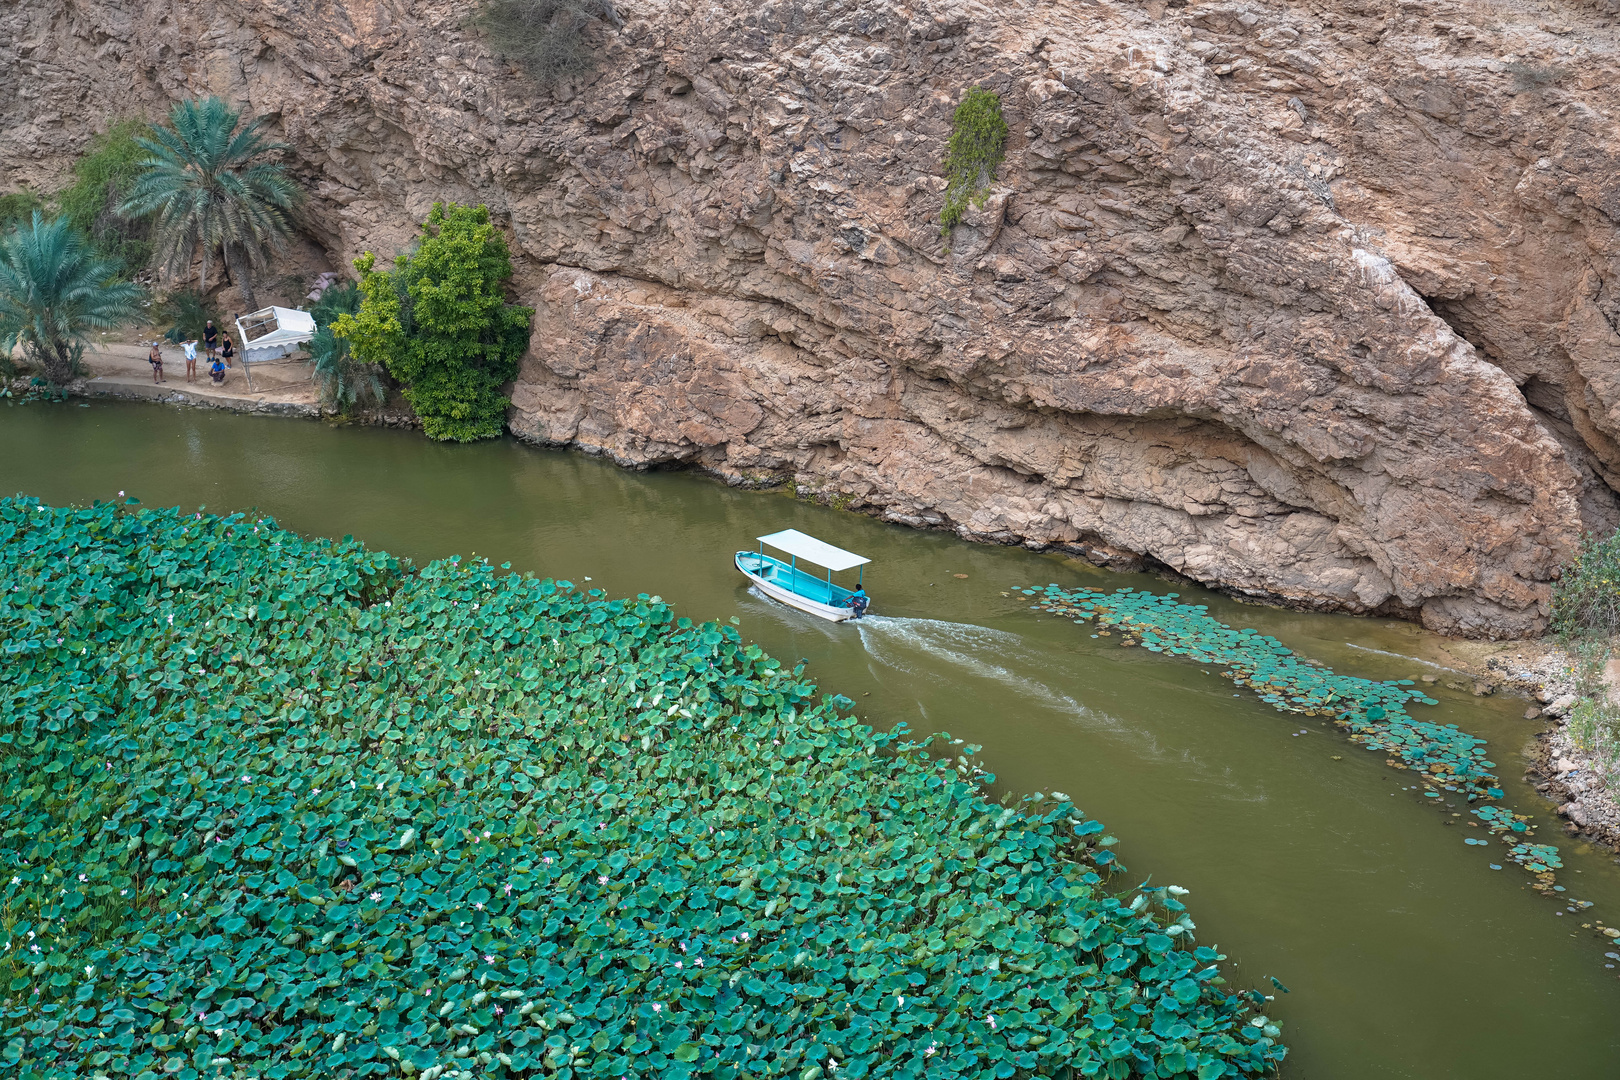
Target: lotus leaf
[[286, 807], [1374, 713]]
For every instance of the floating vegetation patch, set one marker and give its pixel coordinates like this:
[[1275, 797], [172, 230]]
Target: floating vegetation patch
[[278, 807], [1374, 713]]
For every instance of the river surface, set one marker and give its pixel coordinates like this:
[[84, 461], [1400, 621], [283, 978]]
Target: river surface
[[1308, 859]]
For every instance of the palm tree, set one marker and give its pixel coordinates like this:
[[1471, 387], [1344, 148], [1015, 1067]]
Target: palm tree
[[210, 187], [54, 290], [344, 379]]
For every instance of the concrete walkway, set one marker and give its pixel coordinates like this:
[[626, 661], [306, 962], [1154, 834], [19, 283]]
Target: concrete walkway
[[120, 370]]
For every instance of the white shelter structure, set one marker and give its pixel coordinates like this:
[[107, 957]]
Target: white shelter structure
[[803, 546], [272, 333]]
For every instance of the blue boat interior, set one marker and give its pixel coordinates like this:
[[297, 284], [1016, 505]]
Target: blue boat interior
[[791, 578]]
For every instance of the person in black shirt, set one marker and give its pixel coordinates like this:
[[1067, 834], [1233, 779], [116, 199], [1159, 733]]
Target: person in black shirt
[[210, 338], [226, 351]]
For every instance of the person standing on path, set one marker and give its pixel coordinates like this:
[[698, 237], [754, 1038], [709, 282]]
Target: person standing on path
[[226, 351], [191, 358], [210, 338], [155, 358]]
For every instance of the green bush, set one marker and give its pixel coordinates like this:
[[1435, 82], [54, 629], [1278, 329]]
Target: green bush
[[278, 807], [1586, 596], [439, 323], [102, 180], [549, 39], [977, 146], [187, 314], [17, 208], [344, 380]]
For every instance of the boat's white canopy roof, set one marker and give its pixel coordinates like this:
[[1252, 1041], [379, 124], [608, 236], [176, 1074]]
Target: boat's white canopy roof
[[797, 543], [275, 326]]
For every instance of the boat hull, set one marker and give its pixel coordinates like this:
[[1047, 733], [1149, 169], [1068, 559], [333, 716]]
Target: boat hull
[[749, 563]]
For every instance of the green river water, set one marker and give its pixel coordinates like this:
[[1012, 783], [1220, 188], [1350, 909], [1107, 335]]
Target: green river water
[[1406, 955]]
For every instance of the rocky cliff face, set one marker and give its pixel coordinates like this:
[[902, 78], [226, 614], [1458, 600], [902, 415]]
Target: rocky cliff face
[[1313, 301]]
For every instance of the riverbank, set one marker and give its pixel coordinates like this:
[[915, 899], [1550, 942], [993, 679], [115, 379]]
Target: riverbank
[[1307, 859], [120, 371], [1575, 694], [1569, 767]]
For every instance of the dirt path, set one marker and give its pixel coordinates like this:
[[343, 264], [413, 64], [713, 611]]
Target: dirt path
[[120, 369]]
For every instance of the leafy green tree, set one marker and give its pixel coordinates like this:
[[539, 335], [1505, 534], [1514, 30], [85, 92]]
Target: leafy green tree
[[211, 186], [344, 379], [440, 324], [54, 290]]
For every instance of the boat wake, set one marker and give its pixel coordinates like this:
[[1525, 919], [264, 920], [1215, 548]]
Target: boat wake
[[975, 650], [1403, 656]]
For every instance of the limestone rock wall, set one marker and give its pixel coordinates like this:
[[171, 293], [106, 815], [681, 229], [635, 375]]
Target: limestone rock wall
[[1313, 301]]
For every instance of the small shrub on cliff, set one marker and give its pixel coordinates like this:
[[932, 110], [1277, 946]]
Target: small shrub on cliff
[[1586, 599], [440, 324], [549, 39], [977, 146], [1528, 77]]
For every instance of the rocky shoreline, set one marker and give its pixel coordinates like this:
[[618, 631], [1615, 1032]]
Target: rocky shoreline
[[1546, 673], [192, 396]]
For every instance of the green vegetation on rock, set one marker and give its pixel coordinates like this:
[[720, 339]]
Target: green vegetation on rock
[[1586, 613], [1374, 713], [977, 145], [1586, 596], [17, 207], [550, 40], [281, 807], [102, 180], [439, 323]]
